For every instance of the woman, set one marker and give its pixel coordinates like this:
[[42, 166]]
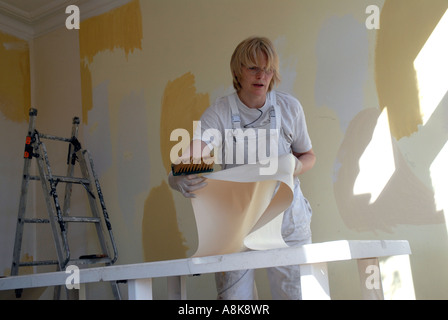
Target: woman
[[254, 106]]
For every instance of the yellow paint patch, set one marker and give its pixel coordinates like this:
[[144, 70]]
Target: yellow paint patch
[[161, 237], [15, 85], [181, 105], [405, 28], [120, 28]]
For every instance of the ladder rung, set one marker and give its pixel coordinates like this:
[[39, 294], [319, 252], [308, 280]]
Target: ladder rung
[[35, 220], [65, 219], [88, 260], [93, 259], [50, 137], [81, 219], [37, 263], [65, 179]]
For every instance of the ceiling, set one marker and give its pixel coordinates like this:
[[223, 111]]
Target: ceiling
[[28, 19], [30, 6], [30, 11]]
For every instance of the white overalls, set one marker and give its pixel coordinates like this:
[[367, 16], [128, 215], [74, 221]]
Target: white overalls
[[284, 281]]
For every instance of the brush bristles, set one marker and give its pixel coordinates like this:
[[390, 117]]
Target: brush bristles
[[191, 168]]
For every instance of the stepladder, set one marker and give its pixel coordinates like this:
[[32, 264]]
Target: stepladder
[[61, 193]]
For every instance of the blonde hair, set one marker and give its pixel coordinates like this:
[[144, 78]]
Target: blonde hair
[[247, 54]]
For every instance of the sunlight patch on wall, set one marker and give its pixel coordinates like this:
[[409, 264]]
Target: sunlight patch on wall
[[439, 174], [431, 66], [15, 84], [120, 28], [376, 164]]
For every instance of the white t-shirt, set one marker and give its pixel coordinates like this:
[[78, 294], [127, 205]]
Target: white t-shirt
[[293, 124]]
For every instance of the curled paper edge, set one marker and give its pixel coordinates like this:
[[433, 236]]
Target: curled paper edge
[[242, 209]]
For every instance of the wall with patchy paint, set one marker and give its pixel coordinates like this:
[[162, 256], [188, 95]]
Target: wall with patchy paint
[[15, 96], [159, 64]]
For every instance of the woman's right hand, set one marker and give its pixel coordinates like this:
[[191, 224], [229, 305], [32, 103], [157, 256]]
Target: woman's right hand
[[186, 184]]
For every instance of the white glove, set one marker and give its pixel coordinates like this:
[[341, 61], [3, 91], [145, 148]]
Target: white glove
[[187, 184], [298, 167]]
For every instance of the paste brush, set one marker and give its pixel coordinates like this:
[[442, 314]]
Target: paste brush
[[192, 168]]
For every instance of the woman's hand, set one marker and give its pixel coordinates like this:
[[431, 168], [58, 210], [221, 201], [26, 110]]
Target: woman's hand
[[187, 184]]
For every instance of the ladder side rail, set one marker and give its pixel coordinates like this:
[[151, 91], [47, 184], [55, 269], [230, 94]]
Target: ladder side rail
[[92, 202], [23, 196], [71, 161], [103, 206], [54, 211], [91, 175]]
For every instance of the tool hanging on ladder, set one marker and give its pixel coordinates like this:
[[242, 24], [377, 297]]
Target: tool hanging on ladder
[[59, 218]]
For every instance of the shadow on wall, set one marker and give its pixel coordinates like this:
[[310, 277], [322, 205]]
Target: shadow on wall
[[376, 187], [402, 199]]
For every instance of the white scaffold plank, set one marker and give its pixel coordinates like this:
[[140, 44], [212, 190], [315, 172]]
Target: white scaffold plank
[[308, 254]]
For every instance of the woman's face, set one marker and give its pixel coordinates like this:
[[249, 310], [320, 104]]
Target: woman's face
[[255, 80]]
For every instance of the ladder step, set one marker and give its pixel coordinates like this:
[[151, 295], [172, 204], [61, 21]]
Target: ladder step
[[65, 219], [38, 263], [51, 137], [92, 259], [35, 221], [89, 259], [64, 179], [93, 256], [81, 219]]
